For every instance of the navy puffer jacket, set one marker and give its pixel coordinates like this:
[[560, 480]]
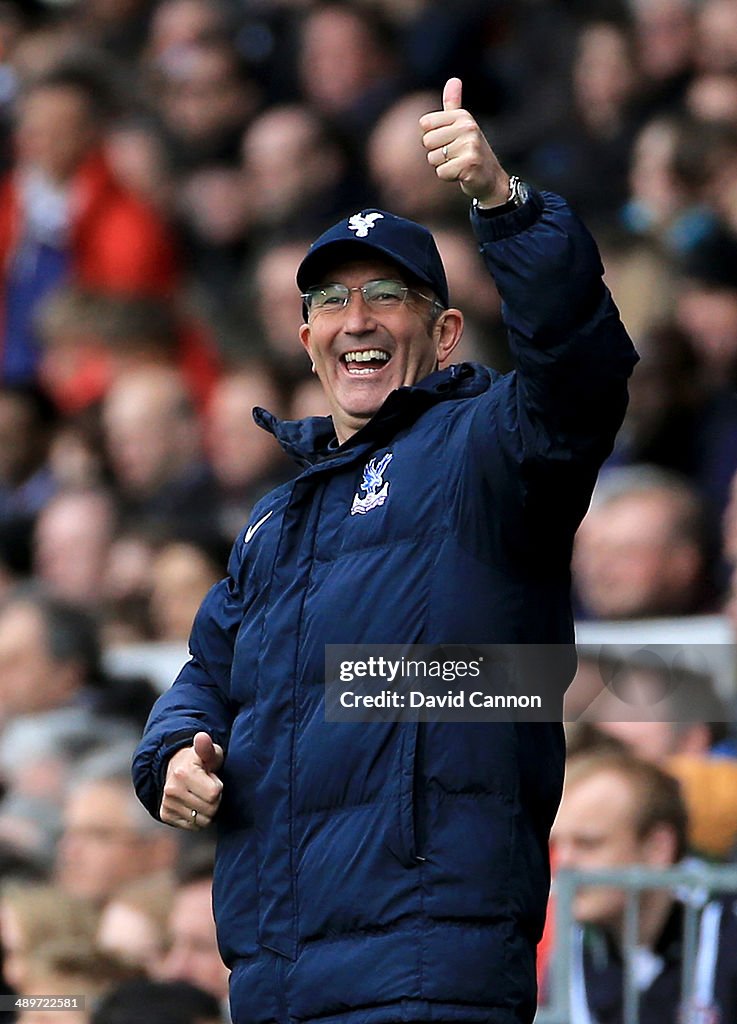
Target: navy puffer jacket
[[377, 872]]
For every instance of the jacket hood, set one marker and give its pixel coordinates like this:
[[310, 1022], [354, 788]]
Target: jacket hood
[[313, 439]]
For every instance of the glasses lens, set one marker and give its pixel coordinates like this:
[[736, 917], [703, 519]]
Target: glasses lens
[[384, 293], [331, 296]]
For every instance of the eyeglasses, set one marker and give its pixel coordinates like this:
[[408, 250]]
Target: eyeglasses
[[380, 296]]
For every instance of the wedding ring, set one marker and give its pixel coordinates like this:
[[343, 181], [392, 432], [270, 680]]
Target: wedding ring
[[445, 152], [193, 816]]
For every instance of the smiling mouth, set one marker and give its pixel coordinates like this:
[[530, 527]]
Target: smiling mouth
[[365, 362]]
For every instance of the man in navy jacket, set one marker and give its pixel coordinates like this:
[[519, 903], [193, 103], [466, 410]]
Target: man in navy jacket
[[378, 873]]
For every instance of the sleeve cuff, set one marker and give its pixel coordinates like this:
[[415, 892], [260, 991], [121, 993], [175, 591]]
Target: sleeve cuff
[[489, 226]]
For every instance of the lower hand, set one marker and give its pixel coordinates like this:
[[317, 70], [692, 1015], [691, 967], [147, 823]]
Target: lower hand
[[193, 790]]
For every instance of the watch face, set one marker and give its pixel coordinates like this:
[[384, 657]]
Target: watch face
[[520, 191]]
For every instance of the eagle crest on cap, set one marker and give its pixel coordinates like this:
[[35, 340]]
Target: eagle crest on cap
[[362, 224]]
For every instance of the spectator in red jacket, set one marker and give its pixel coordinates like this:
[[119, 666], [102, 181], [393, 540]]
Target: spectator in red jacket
[[63, 214]]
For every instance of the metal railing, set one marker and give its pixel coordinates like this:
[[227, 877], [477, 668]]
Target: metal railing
[[693, 883]]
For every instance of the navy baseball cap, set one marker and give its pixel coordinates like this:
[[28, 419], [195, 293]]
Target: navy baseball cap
[[403, 241]]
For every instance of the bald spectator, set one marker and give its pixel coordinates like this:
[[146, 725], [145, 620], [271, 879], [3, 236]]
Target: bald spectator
[[398, 166], [106, 841], [72, 541], [154, 441], [639, 552]]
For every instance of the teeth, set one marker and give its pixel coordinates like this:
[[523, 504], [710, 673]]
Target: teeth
[[367, 355]]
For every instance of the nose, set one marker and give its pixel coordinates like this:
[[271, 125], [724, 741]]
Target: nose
[[69, 847], [358, 317], [175, 965]]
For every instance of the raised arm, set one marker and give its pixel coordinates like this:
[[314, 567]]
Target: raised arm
[[564, 330], [558, 414]]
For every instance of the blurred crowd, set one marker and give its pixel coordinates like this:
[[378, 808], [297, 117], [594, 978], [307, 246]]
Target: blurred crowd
[[164, 165]]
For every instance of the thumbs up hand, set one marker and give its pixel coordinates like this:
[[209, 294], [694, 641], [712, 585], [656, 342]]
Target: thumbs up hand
[[192, 791], [458, 150]]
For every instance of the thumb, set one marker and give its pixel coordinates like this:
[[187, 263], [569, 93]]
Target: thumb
[[452, 94], [209, 753]]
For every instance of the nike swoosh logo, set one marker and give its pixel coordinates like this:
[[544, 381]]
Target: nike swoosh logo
[[256, 526]]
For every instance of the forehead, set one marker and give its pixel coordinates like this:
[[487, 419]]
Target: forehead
[[100, 802], [24, 622], [355, 272], [603, 799], [55, 99]]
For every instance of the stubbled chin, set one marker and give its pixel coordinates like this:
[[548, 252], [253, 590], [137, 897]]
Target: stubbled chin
[[364, 396]]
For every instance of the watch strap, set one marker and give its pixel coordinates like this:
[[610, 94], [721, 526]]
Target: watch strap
[[519, 193]]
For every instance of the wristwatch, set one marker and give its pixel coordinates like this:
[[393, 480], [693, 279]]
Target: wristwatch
[[519, 193]]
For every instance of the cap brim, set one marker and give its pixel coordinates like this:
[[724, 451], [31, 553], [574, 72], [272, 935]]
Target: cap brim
[[316, 265]]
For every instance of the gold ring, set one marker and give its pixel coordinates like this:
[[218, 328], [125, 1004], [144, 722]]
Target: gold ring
[[193, 816]]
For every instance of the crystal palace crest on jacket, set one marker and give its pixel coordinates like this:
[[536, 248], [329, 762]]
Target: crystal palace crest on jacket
[[377, 490]]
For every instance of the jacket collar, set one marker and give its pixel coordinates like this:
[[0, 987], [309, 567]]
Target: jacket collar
[[313, 440]]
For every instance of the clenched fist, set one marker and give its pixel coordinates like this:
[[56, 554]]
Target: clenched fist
[[192, 790]]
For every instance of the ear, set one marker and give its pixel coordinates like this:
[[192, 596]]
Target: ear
[[447, 332], [684, 564], [659, 847], [305, 336], [69, 677], [694, 740]]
